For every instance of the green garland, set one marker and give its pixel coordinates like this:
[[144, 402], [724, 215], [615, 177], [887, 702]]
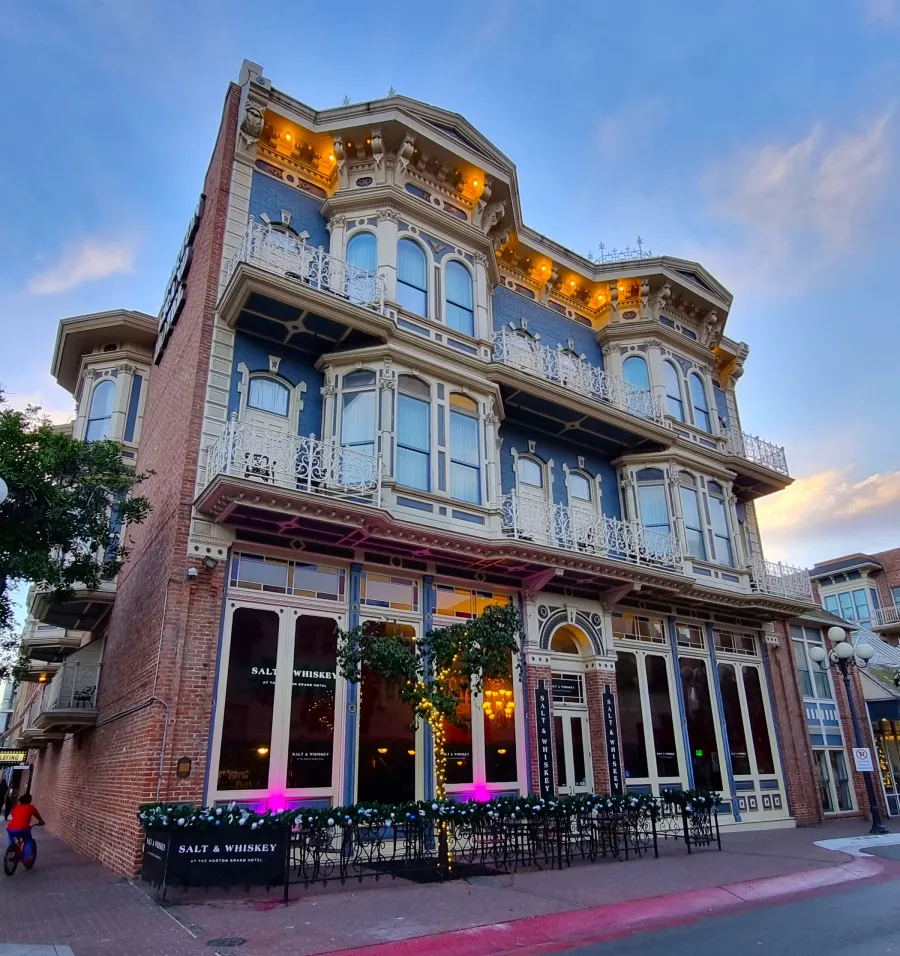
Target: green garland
[[175, 816]]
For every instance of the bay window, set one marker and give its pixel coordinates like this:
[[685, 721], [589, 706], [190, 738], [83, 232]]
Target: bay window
[[465, 458], [719, 519], [460, 303], [100, 414], [412, 277], [693, 525], [634, 372], [674, 400], [413, 432], [358, 412], [652, 506], [699, 404]]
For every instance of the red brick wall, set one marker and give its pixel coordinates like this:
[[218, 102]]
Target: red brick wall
[[891, 576], [596, 682], [162, 636]]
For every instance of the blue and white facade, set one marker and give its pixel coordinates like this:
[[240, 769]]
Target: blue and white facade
[[417, 406]]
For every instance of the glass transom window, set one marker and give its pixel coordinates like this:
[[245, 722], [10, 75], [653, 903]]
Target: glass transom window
[[633, 627], [735, 642], [279, 576], [389, 591], [464, 602]]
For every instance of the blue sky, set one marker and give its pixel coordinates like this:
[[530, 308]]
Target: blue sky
[[759, 138]]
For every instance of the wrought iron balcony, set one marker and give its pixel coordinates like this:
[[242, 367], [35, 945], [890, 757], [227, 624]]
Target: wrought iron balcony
[[888, 617], [578, 530], [756, 450], [273, 457], [782, 580], [572, 372], [283, 255]]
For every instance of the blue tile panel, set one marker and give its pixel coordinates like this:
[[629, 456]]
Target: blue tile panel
[[269, 196]]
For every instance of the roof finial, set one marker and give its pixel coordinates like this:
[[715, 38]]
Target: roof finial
[[345, 101], [391, 91]]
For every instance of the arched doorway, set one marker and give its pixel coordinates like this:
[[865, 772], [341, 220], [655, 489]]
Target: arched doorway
[[571, 731]]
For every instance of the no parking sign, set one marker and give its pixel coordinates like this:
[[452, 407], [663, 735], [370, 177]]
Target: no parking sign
[[862, 757]]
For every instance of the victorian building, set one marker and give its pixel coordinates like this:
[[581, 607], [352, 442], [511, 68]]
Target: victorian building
[[374, 394]]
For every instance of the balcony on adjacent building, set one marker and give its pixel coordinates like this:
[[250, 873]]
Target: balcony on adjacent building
[[756, 450], [280, 254], [81, 611], [573, 529], [575, 374], [886, 620], [781, 580], [279, 460], [47, 642], [66, 704]]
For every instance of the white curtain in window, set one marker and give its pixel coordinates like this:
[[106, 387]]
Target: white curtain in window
[[100, 415], [267, 395], [465, 483], [654, 512], [460, 302], [579, 487], [358, 421], [413, 442], [362, 252]]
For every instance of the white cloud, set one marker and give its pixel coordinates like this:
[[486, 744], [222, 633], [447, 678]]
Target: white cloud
[[796, 206], [829, 513], [86, 260], [59, 411]]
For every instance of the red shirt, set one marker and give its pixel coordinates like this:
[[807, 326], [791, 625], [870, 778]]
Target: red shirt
[[21, 816]]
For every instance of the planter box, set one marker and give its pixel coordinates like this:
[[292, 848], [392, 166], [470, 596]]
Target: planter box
[[225, 856]]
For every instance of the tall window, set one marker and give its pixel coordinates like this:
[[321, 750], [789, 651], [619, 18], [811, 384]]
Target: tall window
[[268, 395], [580, 489], [651, 491], [530, 473], [698, 402], [634, 371], [693, 526], [850, 605], [719, 518], [465, 470], [674, 401], [412, 277], [413, 432], [814, 682], [460, 303], [100, 415], [362, 252], [358, 412]]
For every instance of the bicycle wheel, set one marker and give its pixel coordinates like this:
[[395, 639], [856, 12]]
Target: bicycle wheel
[[29, 855], [10, 860]]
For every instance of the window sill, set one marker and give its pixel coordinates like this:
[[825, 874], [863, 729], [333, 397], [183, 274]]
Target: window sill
[[443, 334]]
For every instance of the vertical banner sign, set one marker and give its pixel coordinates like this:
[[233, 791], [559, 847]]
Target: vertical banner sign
[[544, 740], [611, 730]]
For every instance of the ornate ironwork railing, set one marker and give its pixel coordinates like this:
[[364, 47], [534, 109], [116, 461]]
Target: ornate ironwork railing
[[281, 253], [573, 372], [769, 577], [887, 615], [543, 522], [757, 450], [273, 457]]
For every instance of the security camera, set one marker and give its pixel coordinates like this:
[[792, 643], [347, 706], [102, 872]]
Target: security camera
[[192, 572]]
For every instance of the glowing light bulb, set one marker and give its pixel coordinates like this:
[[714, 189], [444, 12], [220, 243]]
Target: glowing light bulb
[[474, 182], [382, 750], [412, 753], [262, 751], [287, 136]]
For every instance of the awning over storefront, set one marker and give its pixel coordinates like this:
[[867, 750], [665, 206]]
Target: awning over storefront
[[884, 709]]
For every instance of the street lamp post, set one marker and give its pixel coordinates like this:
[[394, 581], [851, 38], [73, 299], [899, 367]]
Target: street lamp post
[[844, 656]]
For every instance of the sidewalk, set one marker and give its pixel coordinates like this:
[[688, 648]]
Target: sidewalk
[[69, 901]]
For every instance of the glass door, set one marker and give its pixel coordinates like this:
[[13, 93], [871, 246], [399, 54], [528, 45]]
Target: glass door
[[573, 755]]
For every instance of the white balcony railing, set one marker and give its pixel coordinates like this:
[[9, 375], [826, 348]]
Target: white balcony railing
[[272, 457], [885, 616], [74, 687], [769, 577], [560, 526], [572, 372], [294, 259], [756, 450]]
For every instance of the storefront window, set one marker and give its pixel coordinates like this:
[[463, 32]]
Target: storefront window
[[458, 740], [759, 725], [500, 729], [824, 780], [387, 737], [249, 701], [734, 721], [834, 781], [841, 779], [661, 716], [701, 723], [631, 717], [311, 740], [388, 591]]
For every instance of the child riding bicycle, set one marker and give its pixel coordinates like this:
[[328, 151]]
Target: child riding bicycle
[[19, 825]]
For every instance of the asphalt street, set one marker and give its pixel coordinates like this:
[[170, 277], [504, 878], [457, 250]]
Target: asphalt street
[[864, 921]]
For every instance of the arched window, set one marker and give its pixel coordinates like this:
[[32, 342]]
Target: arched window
[[412, 277], [530, 472], [460, 303], [651, 493], [362, 251], [465, 457], [100, 415], [413, 432], [698, 402], [634, 371], [268, 395], [693, 525], [719, 519], [358, 411], [674, 400], [580, 489]]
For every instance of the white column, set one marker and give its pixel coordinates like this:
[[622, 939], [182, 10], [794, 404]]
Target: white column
[[492, 463], [482, 298], [654, 364], [386, 384]]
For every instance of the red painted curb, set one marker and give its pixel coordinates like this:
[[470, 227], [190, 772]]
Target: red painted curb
[[555, 931]]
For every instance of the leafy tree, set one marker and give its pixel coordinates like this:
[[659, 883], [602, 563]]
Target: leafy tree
[[60, 523]]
